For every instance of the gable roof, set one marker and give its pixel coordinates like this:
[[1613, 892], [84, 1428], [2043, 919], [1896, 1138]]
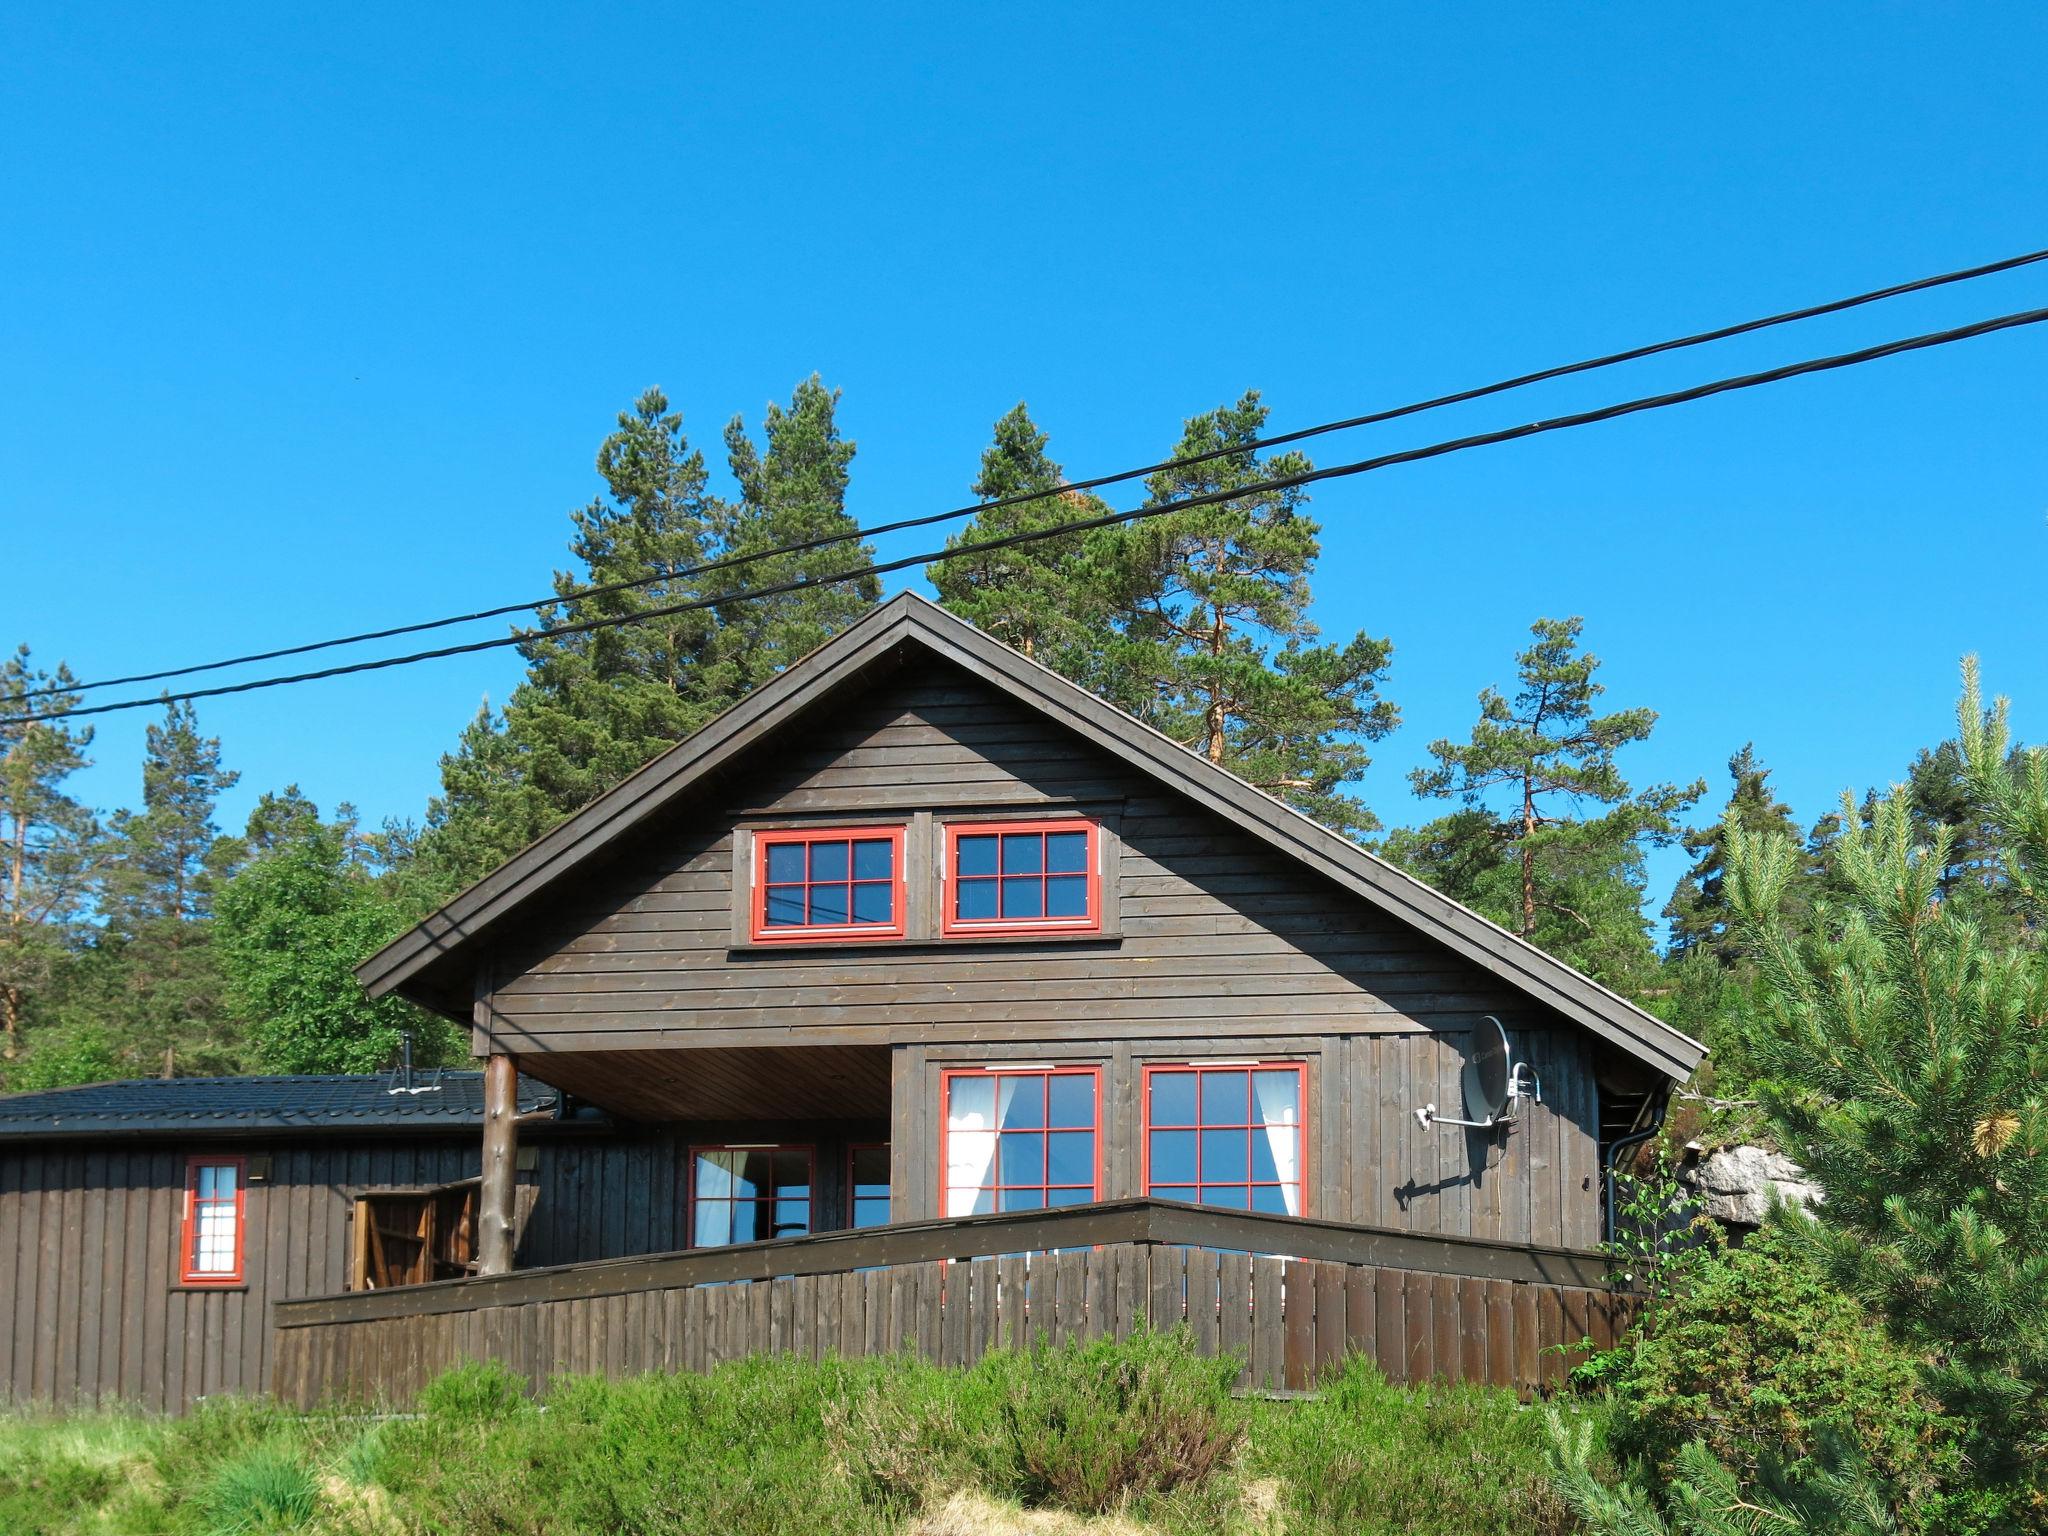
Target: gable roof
[[348, 1102], [407, 964]]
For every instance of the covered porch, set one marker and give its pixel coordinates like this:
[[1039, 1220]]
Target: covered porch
[[1290, 1297]]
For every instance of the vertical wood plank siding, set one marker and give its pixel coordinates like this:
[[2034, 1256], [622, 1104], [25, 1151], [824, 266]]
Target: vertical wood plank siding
[[91, 1311], [1290, 1321]]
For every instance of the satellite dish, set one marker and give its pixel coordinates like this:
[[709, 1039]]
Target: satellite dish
[[1485, 1077], [1492, 1081]]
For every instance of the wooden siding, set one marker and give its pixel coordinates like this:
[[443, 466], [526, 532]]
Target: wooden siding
[[89, 1243], [1218, 930], [1226, 947], [1479, 1313]]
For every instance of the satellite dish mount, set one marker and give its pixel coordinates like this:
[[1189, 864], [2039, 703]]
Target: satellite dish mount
[[1493, 1082]]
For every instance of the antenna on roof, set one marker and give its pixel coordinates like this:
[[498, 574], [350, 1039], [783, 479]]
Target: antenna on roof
[[1492, 1081]]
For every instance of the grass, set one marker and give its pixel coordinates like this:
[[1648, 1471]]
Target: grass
[[1133, 1438]]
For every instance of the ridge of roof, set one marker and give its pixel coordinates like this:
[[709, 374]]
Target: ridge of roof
[[838, 661]]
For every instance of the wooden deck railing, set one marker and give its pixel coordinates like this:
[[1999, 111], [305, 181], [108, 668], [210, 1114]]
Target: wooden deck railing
[[1421, 1306]]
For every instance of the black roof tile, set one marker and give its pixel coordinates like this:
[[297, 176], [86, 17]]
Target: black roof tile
[[338, 1102]]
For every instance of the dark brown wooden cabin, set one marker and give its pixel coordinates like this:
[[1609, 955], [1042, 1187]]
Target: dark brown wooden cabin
[[920, 902], [921, 938]]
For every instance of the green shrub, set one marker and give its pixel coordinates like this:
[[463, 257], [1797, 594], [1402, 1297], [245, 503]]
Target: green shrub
[[1366, 1456], [1111, 1423], [266, 1488], [1755, 1354]]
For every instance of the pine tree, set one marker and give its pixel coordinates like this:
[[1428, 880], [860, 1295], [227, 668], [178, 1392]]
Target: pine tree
[[152, 981], [311, 903], [1569, 884], [594, 706], [1698, 910], [1216, 647], [1046, 598], [1903, 1071], [52, 842], [792, 491]]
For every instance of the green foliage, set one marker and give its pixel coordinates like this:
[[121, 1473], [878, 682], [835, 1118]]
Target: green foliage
[[50, 845], [1904, 1070], [1756, 1355], [1571, 884], [1698, 910], [150, 982], [1143, 1428], [1369, 1457], [266, 1488], [595, 706], [1834, 1496], [1047, 599], [1111, 1423], [293, 924], [1215, 646]]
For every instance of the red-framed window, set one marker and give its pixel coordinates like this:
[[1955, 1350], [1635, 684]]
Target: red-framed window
[[750, 1193], [1019, 1139], [823, 883], [210, 1247], [867, 1184], [1021, 877], [1228, 1133]]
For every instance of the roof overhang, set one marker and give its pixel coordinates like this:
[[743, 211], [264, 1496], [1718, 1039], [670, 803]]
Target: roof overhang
[[455, 932]]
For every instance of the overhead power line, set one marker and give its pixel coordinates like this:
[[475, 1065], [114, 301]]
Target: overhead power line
[[1163, 509], [1302, 434]]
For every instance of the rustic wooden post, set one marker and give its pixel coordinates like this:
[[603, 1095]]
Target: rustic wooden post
[[501, 1158]]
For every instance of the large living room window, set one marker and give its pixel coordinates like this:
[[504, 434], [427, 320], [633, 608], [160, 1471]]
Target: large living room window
[[748, 1194], [828, 883], [1231, 1134], [1020, 1139]]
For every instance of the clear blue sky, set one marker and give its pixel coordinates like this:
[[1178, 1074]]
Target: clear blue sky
[[311, 321]]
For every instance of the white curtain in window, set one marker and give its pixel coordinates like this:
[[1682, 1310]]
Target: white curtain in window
[[970, 1143], [712, 1226], [1279, 1095]]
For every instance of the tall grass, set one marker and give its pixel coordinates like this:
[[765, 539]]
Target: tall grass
[[1141, 1430]]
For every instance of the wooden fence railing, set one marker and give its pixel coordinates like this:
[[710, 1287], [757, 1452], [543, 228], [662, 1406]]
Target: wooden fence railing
[[1421, 1306]]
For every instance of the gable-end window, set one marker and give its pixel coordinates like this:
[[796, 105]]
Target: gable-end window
[[210, 1250], [1020, 1139], [1232, 1134], [828, 883], [748, 1194], [1022, 877], [867, 1185]]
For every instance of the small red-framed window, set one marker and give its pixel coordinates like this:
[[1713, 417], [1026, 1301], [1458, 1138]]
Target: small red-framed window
[[1019, 1138], [210, 1245], [1022, 877], [867, 1184], [826, 883], [1229, 1134], [748, 1192]]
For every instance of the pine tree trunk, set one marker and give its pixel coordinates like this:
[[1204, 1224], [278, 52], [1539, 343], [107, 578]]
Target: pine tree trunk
[[1528, 857], [10, 996], [1213, 716]]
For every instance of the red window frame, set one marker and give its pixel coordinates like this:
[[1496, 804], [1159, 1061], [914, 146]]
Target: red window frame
[[950, 878], [189, 1272], [949, 1075], [810, 1152], [1198, 1070], [852, 1199], [808, 933]]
